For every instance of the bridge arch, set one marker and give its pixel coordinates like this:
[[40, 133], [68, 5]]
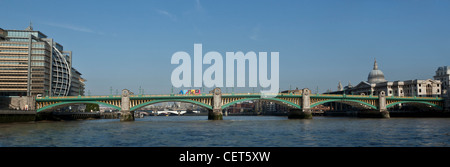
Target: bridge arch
[[268, 99], [343, 101], [171, 100], [61, 104], [417, 102]]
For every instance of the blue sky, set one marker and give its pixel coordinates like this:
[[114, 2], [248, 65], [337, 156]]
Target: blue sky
[[129, 44]]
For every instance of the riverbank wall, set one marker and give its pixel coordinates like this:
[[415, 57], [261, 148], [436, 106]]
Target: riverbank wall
[[58, 116], [111, 115], [7, 116]]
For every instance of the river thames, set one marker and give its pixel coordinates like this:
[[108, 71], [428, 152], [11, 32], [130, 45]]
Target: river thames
[[233, 131]]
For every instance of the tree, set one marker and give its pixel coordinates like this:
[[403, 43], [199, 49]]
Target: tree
[[93, 107]]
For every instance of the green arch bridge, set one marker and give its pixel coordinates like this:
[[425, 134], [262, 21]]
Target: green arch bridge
[[302, 102]]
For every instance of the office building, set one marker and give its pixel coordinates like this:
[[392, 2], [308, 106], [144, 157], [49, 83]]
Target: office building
[[31, 64]]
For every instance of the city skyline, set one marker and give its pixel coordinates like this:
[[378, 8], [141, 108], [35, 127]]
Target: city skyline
[[129, 46]]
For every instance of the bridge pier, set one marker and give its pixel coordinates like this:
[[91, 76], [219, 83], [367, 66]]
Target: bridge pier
[[216, 112], [381, 112], [305, 112], [299, 114], [382, 105], [125, 113]]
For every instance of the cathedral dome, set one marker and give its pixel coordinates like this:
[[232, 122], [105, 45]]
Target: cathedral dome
[[376, 75]]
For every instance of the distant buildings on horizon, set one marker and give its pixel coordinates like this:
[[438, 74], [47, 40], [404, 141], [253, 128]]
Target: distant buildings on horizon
[[376, 83]]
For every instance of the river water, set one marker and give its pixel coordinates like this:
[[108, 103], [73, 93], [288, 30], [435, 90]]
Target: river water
[[234, 131]]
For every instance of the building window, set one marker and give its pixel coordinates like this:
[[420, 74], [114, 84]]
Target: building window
[[420, 90]]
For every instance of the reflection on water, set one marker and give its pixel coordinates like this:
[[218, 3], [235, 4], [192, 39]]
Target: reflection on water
[[236, 131]]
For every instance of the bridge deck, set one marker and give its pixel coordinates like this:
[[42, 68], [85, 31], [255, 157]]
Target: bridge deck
[[294, 100]]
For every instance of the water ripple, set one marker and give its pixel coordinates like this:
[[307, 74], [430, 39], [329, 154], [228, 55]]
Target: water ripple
[[235, 131]]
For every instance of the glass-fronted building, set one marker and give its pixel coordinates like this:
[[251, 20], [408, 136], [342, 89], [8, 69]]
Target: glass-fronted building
[[31, 64]]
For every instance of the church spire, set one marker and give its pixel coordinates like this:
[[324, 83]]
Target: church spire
[[375, 65], [340, 88]]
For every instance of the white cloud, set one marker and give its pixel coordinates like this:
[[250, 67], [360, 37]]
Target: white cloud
[[198, 6], [166, 13], [255, 33], [74, 28]]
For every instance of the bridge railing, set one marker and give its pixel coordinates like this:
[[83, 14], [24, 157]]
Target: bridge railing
[[365, 96], [168, 95], [243, 94], [240, 94], [237, 94], [73, 97], [415, 97], [331, 95]]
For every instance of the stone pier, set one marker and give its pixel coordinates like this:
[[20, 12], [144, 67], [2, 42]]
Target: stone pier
[[382, 105], [216, 112], [305, 112], [382, 111], [125, 113]]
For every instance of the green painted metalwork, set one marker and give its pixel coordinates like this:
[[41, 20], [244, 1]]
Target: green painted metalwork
[[149, 97], [270, 99], [76, 102], [79, 98], [423, 102], [170, 100], [115, 97], [245, 96], [355, 97], [414, 98], [342, 100]]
